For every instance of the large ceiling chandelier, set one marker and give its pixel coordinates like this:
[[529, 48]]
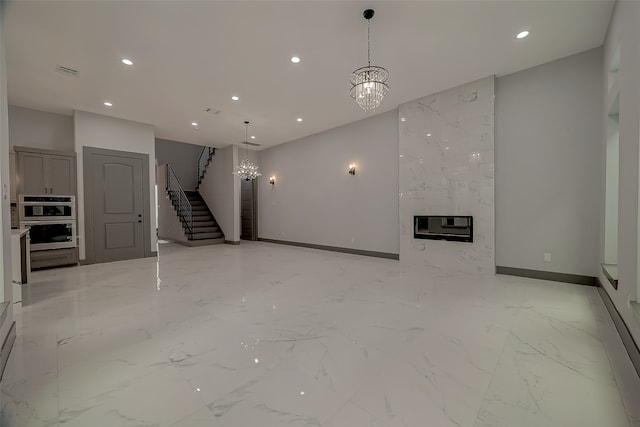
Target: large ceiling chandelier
[[369, 84], [246, 169]]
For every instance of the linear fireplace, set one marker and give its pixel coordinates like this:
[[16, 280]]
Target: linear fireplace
[[439, 227]]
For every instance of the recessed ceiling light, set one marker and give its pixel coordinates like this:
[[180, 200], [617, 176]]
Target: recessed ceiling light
[[235, 98], [253, 137], [295, 59], [194, 124], [522, 34], [299, 119], [403, 119], [108, 104], [428, 134], [126, 61]]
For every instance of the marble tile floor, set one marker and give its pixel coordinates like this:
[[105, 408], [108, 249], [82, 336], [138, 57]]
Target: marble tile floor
[[269, 335]]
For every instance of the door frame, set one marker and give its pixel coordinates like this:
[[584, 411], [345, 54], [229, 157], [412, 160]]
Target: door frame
[[254, 210], [87, 152]]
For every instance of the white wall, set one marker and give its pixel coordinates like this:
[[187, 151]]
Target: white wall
[[182, 157], [220, 190], [447, 168], [316, 201], [169, 225], [611, 174], [623, 38], [39, 129], [95, 130], [548, 130], [5, 217]]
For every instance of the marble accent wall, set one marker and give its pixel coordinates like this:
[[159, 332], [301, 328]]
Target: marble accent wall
[[447, 168]]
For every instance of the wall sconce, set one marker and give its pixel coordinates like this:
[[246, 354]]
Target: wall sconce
[[352, 169], [272, 180]]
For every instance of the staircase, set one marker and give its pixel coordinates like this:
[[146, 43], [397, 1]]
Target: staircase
[[198, 223], [204, 224]]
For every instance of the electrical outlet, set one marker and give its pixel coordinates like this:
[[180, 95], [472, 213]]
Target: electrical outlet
[[547, 257]]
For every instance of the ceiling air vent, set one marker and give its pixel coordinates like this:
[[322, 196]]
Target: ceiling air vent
[[252, 143], [67, 71], [212, 111]]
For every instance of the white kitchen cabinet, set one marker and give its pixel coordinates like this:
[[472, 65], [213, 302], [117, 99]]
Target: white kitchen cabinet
[[45, 172]]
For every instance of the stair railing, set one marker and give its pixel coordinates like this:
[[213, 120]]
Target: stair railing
[[179, 199], [203, 161]]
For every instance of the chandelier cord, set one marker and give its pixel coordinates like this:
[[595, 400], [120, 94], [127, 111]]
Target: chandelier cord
[[246, 137], [369, 41]]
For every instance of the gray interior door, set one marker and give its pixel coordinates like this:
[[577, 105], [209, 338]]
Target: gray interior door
[[247, 211], [118, 206]]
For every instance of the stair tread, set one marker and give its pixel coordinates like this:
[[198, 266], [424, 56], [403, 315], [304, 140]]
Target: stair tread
[[197, 217], [197, 226], [203, 242], [201, 236], [213, 229]]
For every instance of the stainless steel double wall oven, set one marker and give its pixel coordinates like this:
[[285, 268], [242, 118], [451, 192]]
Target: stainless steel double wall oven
[[51, 220]]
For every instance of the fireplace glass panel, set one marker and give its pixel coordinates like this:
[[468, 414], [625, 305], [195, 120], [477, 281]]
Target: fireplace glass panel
[[438, 227]]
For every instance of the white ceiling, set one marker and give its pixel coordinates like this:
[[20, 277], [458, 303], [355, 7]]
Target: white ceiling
[[191, 55]]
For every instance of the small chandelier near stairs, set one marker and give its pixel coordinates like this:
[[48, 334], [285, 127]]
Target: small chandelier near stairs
[[246, 169], [369, 84]]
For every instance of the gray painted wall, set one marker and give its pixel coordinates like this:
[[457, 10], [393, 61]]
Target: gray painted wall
[[182, 157], [316, 201], [39, 129], [220, 189], [623, 37], [6, 286], [548, 165]]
